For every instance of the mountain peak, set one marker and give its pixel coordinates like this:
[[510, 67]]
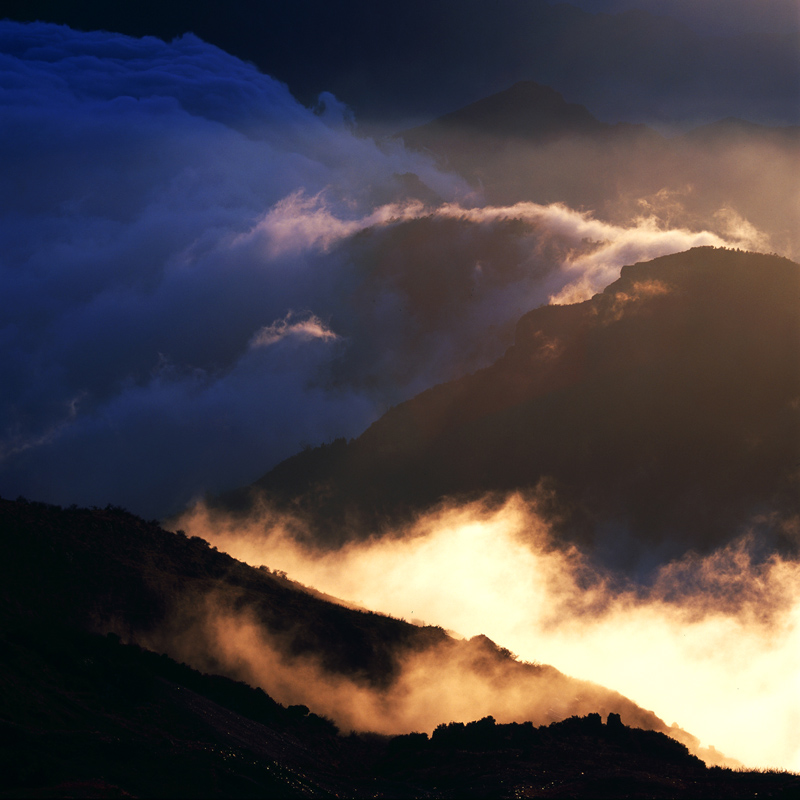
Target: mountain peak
[[638, 406], [526, 110]]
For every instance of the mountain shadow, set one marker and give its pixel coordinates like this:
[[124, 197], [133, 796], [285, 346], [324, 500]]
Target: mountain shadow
[[662, 413]]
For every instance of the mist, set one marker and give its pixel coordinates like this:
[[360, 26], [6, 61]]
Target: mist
[[448, 681], [201, 276], [709, 644]]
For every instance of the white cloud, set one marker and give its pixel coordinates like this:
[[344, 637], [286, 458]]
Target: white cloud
[[304, 329]]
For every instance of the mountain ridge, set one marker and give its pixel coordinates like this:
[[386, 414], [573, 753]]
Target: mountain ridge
[[653, 379]]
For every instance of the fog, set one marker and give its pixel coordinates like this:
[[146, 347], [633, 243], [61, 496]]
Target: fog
[[711, 644]]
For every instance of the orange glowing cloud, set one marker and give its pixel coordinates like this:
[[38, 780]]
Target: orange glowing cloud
[[712, 643]]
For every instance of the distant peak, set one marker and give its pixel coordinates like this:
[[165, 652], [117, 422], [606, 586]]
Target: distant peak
[[526, 109]]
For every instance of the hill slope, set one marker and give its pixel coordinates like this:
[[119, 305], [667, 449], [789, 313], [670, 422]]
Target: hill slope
[[82, 714], [108, 571], [665, 411]]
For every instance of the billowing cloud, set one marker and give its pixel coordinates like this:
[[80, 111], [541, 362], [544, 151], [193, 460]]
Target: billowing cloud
[[200, 275], [134, 172]]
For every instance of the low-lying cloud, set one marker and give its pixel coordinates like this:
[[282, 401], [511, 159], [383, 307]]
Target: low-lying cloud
[[200, 276], [710, 643], [447, 681]]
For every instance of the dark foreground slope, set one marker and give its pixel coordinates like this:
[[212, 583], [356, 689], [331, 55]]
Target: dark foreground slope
[[664, 411], [109, 571], [84, 715], [89, 717]]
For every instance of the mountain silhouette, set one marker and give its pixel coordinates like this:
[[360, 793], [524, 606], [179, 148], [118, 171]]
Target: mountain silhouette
[[86, 707], [664, 412], [108, 571], [529, 143], [525, 110]]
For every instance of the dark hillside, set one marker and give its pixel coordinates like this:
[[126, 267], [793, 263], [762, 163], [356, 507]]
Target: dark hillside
[[105, 570], [108, 570], [665, 408], [89, 717], [82, 714]]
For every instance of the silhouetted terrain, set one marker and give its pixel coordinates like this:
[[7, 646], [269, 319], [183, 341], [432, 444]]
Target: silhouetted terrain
[[82, 714], [216, 248], [664, 411], [109, 571], [525, 111]]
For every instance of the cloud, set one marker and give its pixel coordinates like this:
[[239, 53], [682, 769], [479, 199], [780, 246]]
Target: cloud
[[299, 223], [222, 275], [639, 291], [711, 643], [445, 681], [311, 327], [132, 171]]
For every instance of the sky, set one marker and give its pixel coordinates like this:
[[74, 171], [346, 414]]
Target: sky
[[398, 64], [714, 17], [201, 275]]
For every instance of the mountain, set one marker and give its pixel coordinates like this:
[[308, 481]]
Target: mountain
[[526, 110], [84, 714], [528, 143], [664, 413], [107, 571]]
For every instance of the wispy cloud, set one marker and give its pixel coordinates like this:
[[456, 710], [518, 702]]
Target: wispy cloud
[[307, 328]]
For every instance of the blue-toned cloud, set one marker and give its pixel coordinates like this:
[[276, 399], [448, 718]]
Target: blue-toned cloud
[[198, 275], [131, 170]]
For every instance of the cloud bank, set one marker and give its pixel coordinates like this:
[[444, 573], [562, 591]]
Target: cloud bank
[[200, 275]]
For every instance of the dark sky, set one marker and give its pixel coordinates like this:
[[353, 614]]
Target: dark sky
[[199, 274], [401, 62], [715, 17]]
